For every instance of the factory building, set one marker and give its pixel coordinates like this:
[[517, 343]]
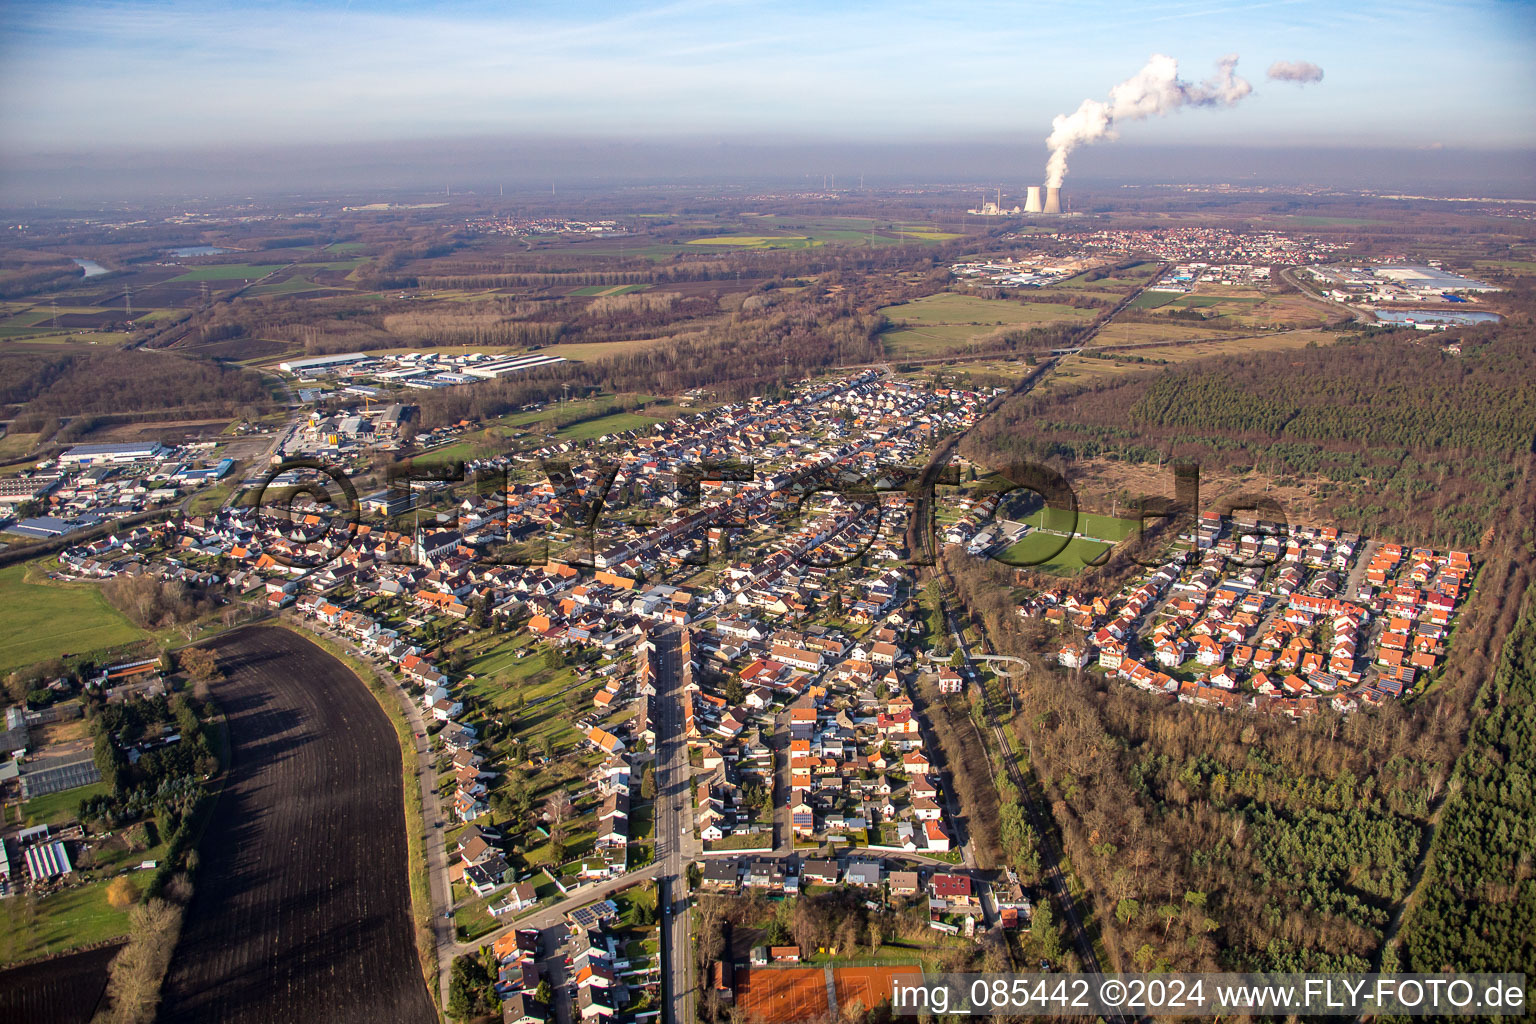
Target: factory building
[[101, 454], [505, 367], [321, 364]]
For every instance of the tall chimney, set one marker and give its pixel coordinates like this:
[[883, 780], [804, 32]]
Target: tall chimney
[[1053, 200], [1032, 200]]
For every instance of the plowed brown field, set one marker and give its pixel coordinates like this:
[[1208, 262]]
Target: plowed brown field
[[302, 909]]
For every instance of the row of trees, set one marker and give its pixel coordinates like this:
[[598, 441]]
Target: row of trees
[[1477, 905]]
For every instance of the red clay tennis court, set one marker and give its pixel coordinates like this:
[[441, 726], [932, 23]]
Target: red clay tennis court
[[871, 986], [787, 995], [781, 995]]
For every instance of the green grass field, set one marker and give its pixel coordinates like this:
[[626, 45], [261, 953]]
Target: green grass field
[[951, 308], [1034, 552], [936, 325], [59, 808], [296, 283], [1209, 301], [229, 272], [1037, 549], [1152, 300], [347, 265], [1088, 524], [757, 241], [1118, 333], [14, 446], [211, 499], [46, 620], [77, 916], [610, 289], [610, 424], [1121, 283], [855, 230]]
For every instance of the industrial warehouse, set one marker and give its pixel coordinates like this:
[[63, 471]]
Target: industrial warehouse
[[420, 370]]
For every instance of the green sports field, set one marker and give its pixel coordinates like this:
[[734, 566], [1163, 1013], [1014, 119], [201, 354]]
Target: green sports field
[[1048, 526], [1034, 552], [1088, 524]]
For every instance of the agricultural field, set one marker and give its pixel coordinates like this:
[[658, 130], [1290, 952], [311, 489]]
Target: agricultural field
[[1504, 266], [303, 900], [1240, 307], [606, 289], [1228, 344], [1296, 220], [1011, 368], [940, 324], [291, 286], [1118, 333], [1108, 282], [59, 990], [757, 241], [1076, 371], [14, 446], [47, 619], [228, 272], [853, 230]]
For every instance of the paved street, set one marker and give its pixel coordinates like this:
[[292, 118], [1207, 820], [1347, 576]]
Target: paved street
[[675, 843]]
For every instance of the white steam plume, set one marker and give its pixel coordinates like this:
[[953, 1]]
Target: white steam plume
[[1153, 91], [1302, 71]]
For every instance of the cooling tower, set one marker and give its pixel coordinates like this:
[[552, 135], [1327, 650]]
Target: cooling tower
[[1032, 202], [1053, 200]]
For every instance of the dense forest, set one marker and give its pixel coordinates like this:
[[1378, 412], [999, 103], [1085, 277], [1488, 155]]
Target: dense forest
[[1400, 438], [1218, 840], [1476, 909], [28, 273], [136, 384]]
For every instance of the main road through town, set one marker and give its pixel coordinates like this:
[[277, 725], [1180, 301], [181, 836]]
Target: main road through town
[[674, 836]]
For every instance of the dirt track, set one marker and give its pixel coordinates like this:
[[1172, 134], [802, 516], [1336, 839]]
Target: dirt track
[[302, 910]]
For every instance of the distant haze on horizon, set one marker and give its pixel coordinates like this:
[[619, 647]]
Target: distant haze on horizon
[[426, 166], [347, 92]]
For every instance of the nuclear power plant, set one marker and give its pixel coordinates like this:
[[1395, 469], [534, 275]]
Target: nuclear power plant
[[1038, 199], [990, 208], [1051, 203]]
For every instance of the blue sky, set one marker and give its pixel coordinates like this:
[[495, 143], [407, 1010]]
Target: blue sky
[[82, 77]]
